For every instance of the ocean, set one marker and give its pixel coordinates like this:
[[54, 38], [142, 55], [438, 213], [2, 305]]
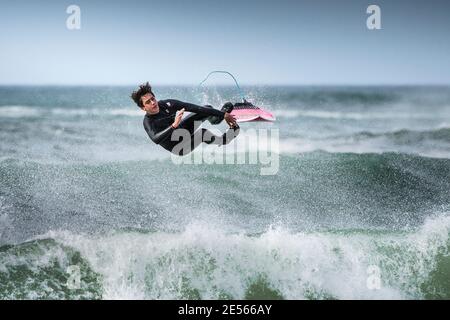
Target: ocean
[[358, 208]]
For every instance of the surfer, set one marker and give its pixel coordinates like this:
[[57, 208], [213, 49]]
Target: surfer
[[164, 118]]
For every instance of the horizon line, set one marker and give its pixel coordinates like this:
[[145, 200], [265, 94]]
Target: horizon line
[[232, 85]]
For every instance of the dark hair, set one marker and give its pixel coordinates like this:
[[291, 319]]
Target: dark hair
[[143, 90]]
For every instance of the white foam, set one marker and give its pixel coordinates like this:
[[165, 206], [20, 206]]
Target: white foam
[[324, 114], [19, 111], [380, 144], [5, 220], [97, 111], [75, 112], [127, 112], [28, 111], [210, 260]]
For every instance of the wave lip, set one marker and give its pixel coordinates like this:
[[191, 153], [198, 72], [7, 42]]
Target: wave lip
[[207, 263]]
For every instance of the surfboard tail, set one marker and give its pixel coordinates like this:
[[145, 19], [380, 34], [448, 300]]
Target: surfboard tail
[[246, 112]]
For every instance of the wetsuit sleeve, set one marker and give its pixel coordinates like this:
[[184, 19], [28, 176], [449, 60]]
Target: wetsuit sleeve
[[160, 136], [196, 109]]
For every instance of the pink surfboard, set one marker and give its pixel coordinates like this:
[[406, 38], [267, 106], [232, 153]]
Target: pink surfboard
[[246, 112]]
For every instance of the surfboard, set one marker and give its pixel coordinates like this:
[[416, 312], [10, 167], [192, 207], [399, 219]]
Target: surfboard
[[246, 112]]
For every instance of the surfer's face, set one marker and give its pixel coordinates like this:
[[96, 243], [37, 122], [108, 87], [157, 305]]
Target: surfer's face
[[150, 103]]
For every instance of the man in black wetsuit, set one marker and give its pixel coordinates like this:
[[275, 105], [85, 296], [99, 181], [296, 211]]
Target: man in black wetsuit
[[161, 122]]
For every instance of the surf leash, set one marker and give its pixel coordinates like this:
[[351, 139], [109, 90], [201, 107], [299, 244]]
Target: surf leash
[[235, 81]]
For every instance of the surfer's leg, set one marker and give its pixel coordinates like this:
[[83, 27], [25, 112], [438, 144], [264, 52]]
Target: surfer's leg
[[192, 141], [210, 138], [204, 135], [227, 107], [188, 123], [191, 123]]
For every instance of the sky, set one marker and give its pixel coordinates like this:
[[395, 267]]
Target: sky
[[178, 42]]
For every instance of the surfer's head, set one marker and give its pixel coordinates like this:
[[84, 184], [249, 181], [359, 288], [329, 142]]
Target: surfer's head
[[145, 99]]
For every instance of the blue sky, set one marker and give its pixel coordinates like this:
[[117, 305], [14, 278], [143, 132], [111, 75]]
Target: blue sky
[[261, 42]]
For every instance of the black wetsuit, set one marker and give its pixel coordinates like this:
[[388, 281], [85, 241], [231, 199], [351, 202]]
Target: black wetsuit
[[159, 129]]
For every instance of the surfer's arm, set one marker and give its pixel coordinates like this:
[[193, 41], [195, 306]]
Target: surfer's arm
[[178, 105], [158, 137], [162, 135]]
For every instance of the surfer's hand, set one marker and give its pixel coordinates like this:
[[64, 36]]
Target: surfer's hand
[[178, 117], [230, 119]]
